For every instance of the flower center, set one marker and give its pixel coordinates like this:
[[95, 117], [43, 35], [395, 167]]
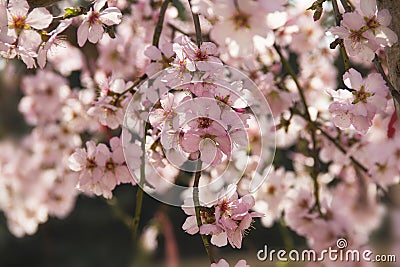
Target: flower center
[[225, 207], [201, 56], [94, 18], [361, 96], [90, 164], [372, 23], [19, 24], [110, 165], [241, 20], [204, 122]]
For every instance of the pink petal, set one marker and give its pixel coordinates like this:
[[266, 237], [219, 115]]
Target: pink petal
[[219, 240], [111, 16], [18, 7], [209, 47], [242, 263], [221, 263], [83, 32], [190, 225], [99, 5], [353, 21], [368, 7], [190, 143], [3, 15], [353, 79], [384, 17], [153, 52], [208, 229], [39, 18], [208, 151], [95, 32]]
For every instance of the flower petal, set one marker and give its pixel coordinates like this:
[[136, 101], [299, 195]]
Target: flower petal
[[39, 18]]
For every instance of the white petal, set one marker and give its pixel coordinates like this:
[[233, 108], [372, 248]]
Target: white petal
[[18, 7], [39, 18], [219, 240], [3, 15], [83, 32], [95, 33], [368, 7], [99, 4], [153, 52], [208, 151], [111, 16], [42, 57], [30, 40], [352, 79]]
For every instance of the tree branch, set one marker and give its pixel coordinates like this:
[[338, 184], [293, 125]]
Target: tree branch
[[393, 53], [196, 202]]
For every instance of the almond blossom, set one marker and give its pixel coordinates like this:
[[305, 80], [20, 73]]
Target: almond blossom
[[109, 107], [18, 32], [363, 34], [53, 40], [224, 263], [91, 164], [92, 26], [359, 107], [232, 218]]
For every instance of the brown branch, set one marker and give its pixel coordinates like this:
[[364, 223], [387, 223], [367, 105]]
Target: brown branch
[[393, 53]]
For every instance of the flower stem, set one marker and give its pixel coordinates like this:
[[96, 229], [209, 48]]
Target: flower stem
[[196, 202], [197, 27]]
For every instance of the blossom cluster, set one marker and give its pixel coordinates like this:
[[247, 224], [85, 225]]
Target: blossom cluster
[[365, 31], [146, 101], [227, 220]]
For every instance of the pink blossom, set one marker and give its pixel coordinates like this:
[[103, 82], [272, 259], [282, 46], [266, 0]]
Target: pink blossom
[[237, 26], [91, 164], [54, 40], [44, 87], [359, 107], [363, 34], [109, 107], [92, 25], [232, 218], [224, 263], [161, 58], [378, 22]]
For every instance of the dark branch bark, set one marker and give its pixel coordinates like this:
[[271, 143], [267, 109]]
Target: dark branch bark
[[393, 53]]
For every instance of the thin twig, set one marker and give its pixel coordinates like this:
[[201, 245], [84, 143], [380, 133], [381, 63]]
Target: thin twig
[[160, 22], [196, 202], [338, 19], [315, 169], [333, 140], [119, 213], [197, 27], [346, 6], [140, 192], [130, 89]]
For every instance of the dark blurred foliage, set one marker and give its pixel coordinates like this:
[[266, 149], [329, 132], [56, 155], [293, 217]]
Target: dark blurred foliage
[[92, 236]]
